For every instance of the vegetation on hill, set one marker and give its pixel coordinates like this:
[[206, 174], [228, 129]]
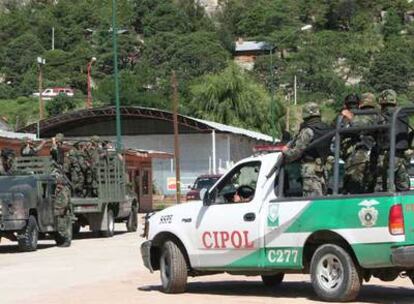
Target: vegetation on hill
[[354, 45]]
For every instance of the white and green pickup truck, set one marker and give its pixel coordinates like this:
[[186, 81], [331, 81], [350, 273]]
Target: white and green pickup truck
[[253, 221]]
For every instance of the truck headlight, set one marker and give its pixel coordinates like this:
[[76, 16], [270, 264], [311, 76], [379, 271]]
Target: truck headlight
[[146, 218]]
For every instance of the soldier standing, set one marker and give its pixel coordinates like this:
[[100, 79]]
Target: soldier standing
[[388, 102], [56, 151], [356, 148], [63, 212], [28, 148], [313, 159], [76, 169], [93, 153]]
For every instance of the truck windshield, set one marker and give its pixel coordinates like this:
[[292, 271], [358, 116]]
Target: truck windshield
[[207, 182]]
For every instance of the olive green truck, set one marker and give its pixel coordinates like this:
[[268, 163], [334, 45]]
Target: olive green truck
[[27, 201]]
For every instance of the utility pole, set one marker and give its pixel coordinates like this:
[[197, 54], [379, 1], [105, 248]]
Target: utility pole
[[40, 62], [117, 104], [174, 86]]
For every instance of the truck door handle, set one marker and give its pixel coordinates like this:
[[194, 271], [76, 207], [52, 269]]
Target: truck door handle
[[249, 217]]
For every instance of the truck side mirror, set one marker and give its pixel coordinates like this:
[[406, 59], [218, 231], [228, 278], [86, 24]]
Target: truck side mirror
[[208, 197]]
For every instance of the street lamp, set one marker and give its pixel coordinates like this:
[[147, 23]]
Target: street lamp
[[40, 62], [304, 28], [89, 99]]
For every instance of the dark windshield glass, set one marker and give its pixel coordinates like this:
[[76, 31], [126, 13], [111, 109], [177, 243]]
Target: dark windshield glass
[[201, 183]]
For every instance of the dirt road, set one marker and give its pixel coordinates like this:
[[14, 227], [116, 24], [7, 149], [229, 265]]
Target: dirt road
[[99, 270]]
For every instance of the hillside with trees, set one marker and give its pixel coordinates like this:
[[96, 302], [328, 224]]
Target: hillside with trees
[[354, 46]]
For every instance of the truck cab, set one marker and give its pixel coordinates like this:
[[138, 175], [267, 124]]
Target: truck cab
[[27, 203], [255, 221]]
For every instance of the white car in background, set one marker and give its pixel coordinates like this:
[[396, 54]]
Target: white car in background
[[51, 93]]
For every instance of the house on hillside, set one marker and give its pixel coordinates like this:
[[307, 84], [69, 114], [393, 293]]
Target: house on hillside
[[246, 52]]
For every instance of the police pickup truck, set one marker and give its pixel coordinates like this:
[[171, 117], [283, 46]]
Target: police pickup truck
[[254, 221]]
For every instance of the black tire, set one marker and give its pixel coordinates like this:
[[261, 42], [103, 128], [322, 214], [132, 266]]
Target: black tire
[[110, 224], [64, 241], [132, 223], [29, 236], [173, 269], [334, 274], [273, 280]]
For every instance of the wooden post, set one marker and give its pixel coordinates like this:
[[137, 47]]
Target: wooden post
[[176, 139]]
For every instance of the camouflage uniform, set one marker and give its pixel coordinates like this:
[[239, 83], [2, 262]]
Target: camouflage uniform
[[76, 168], [388, 101], [63, 211], [93, 155], [313, 171], [356, 151], [56, 151]]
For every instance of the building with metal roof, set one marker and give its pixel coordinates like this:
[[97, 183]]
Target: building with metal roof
[[206, 147], [246, 52]]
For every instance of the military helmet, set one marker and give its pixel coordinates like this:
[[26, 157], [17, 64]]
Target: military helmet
[[388, 97], [59, 137], [351, 100], [95, 139], [310, 109], [368, 101]]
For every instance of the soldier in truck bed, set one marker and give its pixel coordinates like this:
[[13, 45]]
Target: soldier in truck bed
[[313, 159], [29, 149]]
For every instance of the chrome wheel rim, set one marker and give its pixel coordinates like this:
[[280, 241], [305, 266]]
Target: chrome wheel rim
[[330, 272]]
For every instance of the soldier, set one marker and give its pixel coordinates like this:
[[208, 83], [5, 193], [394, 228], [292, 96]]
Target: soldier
[[313, 159], [93, 154], [76, 168], [28, 148], [351, 103], [63, 212], [388, 102], [7, 158], [356, 149], [56, 151]]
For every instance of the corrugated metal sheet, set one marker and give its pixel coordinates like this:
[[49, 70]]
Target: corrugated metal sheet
[[247, 46], [234, 130], [16, 135]]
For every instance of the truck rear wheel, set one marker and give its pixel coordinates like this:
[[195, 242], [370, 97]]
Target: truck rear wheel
[[132, 223], [29, 236], [110, 224], [334, 275], [173, 269], [273, 280]]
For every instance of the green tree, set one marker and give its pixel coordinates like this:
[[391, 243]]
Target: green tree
[[232, 97], [59, 105]]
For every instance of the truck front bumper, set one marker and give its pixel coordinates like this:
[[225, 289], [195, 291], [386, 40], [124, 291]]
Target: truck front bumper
[[146, 255], [403, 256]]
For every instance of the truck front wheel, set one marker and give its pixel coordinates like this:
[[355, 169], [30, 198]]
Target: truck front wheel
[[29, 236], [273, 280], [334, 275], [173, 269]]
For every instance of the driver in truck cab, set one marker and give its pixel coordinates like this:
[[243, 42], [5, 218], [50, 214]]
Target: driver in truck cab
[[313, 159]]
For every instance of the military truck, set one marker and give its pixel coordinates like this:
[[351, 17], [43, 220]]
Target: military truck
[[114, 202], [27, 203]]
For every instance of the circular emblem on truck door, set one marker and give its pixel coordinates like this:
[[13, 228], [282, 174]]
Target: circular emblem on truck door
[[368, 215]]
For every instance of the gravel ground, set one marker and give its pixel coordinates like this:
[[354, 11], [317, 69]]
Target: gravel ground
[[100, 270]]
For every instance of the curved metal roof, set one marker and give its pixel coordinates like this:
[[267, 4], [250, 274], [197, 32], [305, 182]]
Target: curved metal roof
[[85, 117]]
